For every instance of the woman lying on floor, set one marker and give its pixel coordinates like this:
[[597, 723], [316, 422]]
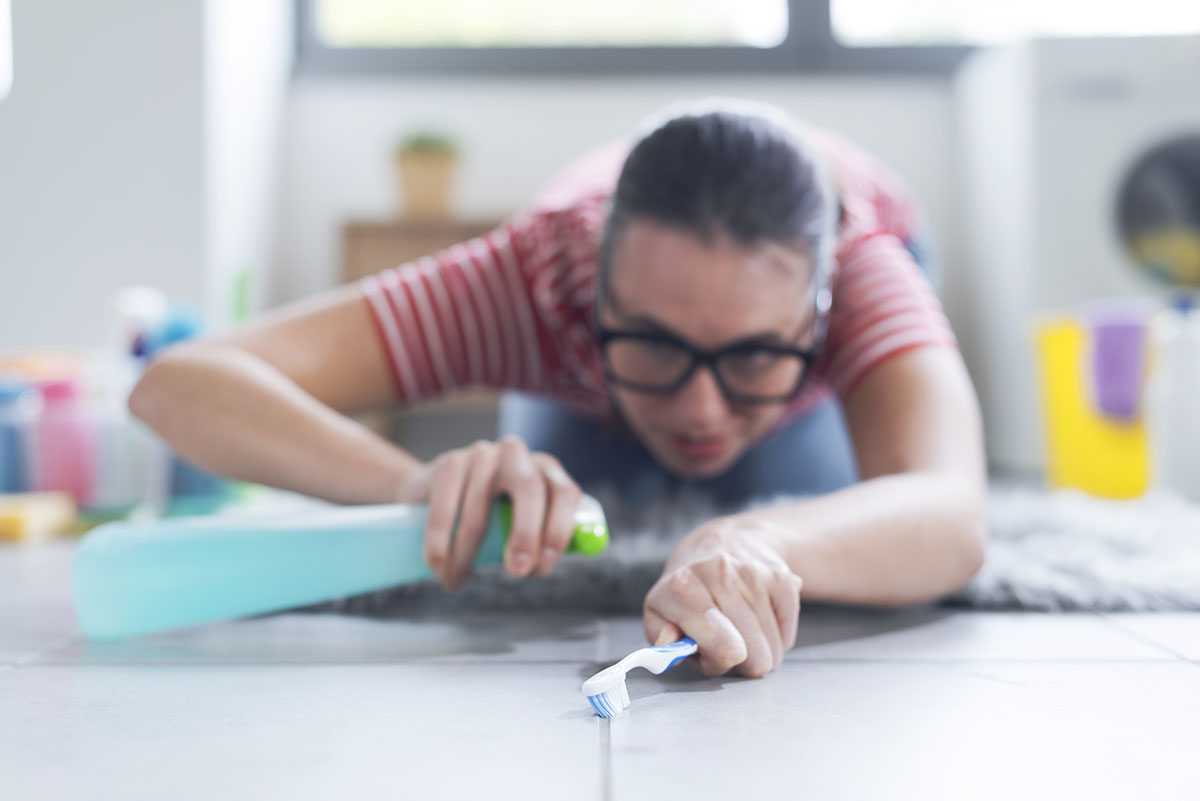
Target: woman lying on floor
[[743, 309]]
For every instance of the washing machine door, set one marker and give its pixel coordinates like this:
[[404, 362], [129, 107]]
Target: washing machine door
[[1158, 212]]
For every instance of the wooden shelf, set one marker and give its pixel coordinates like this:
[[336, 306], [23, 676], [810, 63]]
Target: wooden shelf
[[371, 246]]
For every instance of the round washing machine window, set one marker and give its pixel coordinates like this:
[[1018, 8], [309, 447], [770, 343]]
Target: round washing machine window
[[1158, 212]]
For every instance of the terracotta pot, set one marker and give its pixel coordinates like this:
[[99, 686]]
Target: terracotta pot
[[426, 183]]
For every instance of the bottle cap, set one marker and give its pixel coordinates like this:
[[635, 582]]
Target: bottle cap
[[590, 536]]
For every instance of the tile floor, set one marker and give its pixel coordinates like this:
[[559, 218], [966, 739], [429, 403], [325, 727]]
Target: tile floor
[[921, 703]]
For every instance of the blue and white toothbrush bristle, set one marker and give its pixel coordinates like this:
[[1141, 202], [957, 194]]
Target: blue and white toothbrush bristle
[[606, 691]]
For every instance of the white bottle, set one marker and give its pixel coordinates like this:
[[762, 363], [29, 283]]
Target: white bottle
[[120, 452], [1172, 404]]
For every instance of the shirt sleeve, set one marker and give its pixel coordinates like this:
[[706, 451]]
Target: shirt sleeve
[[882, 306], [461, 317]]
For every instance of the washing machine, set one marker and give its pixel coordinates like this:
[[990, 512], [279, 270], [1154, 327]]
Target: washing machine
[[1068, 148]]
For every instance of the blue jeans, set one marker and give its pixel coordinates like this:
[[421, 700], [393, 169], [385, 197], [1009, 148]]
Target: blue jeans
[[811, 455]]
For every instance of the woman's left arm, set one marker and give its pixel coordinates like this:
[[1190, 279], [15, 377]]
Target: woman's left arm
[[914, 529]]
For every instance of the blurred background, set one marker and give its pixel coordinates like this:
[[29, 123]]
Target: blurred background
[[172, 168]]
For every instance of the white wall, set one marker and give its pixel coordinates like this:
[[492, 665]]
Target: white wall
[[100, 154], [5, 48], [516, 132], [248, 63], [139, 146]]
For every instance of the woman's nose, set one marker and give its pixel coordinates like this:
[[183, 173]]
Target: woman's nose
[[700, 401]]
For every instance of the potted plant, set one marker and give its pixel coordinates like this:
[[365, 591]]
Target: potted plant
[[426, 162]]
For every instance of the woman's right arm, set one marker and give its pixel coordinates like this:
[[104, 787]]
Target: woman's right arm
[[268, 403]]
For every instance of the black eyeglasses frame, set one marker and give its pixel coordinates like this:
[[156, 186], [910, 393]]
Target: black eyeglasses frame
[[708, 358]]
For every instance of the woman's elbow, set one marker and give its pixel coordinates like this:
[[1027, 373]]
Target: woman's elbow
[[964, 542], [971, 541], [974, 551]]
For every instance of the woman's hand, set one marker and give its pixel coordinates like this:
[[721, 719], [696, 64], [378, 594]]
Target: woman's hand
[[727, 587], [462, 484]]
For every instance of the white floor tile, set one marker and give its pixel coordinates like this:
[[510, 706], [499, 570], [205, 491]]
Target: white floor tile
[[297, 732], [922, 731], [1178, 632], [924, 633], [28, 627], [36, 573], [922, 703], [35, 598], [326, 638]]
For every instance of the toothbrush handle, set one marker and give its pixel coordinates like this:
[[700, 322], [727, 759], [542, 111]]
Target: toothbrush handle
[[659, 658]]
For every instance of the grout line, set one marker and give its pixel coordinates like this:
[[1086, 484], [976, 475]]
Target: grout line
[[1138, 636], [1100, 660], [26, 665], [382, 662], [604, 739], [52, 647], [604, 725]]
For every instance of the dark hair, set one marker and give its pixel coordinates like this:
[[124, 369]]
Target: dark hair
[[745, 174]]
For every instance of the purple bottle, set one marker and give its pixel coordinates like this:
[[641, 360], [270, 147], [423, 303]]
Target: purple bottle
[[64, 442], [1118, 357]]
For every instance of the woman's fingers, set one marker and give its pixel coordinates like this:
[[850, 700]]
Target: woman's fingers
[[461, 486], [447, 480], [474, 511], [521, 478], [742, 613], [681, 598], [562, 504], [750, 611], [659, 630], [758, 581], [785, 600]]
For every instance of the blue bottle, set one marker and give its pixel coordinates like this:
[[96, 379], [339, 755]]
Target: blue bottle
[[18, 411]]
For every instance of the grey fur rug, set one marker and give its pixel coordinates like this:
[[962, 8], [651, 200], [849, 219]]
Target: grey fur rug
[[1047, 551]]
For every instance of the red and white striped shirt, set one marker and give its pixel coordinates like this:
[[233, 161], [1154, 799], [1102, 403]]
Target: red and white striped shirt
[[514, 308]]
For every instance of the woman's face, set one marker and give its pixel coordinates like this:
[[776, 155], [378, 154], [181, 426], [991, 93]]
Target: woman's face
[[709, 295]]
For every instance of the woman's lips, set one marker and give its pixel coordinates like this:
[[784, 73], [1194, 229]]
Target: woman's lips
[[700, 447]]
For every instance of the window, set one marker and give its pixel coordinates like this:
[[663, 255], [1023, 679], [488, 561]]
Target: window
[[615, 36], [557, 36], [874, 23], [551, 23]]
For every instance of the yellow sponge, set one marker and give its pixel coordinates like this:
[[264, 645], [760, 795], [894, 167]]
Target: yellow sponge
[[36, 515]]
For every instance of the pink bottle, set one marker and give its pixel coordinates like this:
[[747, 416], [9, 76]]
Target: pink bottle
[[65, 442]]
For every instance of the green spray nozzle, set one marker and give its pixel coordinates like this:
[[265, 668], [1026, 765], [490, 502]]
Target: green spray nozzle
[[591, 529]]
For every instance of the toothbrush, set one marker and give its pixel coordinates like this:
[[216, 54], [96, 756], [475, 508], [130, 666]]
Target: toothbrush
[[134, 579], [606, 691]]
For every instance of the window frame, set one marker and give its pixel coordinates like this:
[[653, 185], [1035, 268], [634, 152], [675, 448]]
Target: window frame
[[810, 47]]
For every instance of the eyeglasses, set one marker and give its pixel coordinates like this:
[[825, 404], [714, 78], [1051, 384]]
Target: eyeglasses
[[747, 372]]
